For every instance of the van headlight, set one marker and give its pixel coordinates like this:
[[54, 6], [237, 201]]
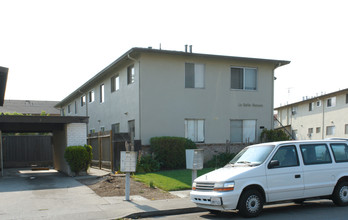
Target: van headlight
[[226, 186]]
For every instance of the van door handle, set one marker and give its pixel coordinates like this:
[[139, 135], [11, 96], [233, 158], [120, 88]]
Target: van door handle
[[297, 176]]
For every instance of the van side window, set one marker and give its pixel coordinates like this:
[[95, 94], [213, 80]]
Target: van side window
[[340, 152], [287, 157], [315, 154]]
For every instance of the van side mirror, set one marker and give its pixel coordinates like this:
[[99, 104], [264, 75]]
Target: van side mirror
[[273, 163]]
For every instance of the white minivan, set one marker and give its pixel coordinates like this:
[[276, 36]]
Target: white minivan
[[274, 172]]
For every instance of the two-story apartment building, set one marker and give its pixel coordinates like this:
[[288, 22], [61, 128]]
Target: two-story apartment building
[[207, 98], [321, 117]]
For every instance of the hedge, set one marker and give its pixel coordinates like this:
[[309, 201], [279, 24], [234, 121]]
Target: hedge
[[79, 158], [170, 151]]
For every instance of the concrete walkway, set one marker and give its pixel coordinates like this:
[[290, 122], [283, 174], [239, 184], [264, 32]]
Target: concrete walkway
[[51, 195]]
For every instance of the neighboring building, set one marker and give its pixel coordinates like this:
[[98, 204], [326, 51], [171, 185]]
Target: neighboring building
[[207, 98], [29, 107], [321, 117]]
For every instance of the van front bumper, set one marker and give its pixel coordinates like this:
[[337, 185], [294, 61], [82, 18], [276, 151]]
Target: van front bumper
[[215, 200]]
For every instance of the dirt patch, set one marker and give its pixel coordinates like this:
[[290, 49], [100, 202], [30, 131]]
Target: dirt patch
[[114, 185]]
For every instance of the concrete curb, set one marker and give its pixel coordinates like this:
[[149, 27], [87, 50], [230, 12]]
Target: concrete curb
[[165, 212]]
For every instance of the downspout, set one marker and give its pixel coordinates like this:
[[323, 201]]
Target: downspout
[[135, 60], [323, 123]]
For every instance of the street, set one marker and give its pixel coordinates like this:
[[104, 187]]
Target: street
[[311, 210]]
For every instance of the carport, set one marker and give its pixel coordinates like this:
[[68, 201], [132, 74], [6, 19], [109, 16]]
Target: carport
[[66, 130]]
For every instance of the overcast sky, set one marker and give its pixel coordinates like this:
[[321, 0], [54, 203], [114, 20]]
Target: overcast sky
[[53, 47]]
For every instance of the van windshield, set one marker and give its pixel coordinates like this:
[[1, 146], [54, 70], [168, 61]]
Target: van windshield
[[253, 155]]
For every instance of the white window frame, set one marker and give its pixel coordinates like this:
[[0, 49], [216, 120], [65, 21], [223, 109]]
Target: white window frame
[[331, 102], [130, 74], [91, 96], [102, 93], [245, 134], [195, 130], [330, 130], [115, 83], [83, 100], [198, 76], [245, 75]]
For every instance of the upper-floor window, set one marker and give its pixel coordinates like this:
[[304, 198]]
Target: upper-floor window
[[243, 78], [331, 102], [310, 106], [346, 98], [83, 100], [194, 75], [69, 108], [91, 96], [318, 103], [115, 83], [102, 94], [330, 130], [130, 74], [75, 107]]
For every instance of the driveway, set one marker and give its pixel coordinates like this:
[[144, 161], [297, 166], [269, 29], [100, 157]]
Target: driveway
[[26, 194]]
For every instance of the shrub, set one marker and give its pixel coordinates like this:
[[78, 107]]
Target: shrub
[[77, 158], [274, 135], [90, 155], [219, 160], [147, 164], [170, 151]]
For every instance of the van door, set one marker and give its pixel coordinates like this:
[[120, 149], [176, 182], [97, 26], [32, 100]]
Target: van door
[[319, 171], [284, 175]]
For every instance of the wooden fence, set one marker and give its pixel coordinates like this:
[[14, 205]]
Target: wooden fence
[[27, 150]]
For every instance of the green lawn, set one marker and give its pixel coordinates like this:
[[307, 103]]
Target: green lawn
[[170, 180]]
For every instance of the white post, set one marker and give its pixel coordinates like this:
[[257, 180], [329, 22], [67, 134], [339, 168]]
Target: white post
[[194, 175], [127, 186]]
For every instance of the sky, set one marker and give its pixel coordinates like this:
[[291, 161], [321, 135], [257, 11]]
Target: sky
[[53, 47]]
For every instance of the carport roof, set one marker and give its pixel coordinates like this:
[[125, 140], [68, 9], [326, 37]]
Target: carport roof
[[17, 124]]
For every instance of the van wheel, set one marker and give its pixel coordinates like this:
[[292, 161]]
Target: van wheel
[[340, 194], [250, 203]]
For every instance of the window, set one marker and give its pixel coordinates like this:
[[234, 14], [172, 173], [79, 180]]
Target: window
[[340, 152], [310, 107], [346, 98], [243, 131], [319, 103], [194, 75], [287, 157], [69, 108], [194, 130], [115, 83], [130, 74], [83, 100], [102, 93], [317, 129], [243, 78], [346, 128], [115, 128], [310, 131], [315, 154], [294, 110], [331, 102], [75, 107], [330, 130], [91, 96]]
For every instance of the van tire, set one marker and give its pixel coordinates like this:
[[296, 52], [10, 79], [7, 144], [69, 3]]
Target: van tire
[[340, 194], [250, 203]]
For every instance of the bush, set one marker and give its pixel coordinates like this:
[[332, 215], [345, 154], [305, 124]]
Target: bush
[[274, 135], [219, 160], [147, 164], [77, 157], [90, 155], [170, 151]]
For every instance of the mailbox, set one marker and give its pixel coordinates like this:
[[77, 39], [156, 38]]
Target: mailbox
[[128, 161], [194, 159]]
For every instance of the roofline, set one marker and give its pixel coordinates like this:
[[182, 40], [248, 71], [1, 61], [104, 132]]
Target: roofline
[[313, 99], [85, 87]]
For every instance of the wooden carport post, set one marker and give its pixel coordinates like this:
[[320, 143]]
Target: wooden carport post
[[2, 158]]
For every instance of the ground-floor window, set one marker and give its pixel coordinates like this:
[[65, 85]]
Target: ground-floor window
[[243, 131], [330, 130], [194, 130]]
